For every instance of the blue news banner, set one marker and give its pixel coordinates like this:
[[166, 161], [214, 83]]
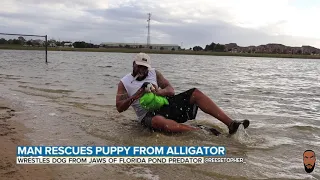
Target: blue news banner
[[122, 154]]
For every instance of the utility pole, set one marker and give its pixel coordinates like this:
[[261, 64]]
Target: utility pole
[[148, 38]]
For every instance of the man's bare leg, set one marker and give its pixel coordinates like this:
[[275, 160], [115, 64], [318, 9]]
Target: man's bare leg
[[168, 125], [209, 107]]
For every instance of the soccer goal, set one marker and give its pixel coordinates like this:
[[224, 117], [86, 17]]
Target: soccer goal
[[20, 40]]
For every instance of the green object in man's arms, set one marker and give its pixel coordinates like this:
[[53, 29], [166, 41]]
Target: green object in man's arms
[[150, 101]]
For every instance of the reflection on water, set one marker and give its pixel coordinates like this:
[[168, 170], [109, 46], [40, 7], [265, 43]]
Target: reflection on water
[[72, 101]]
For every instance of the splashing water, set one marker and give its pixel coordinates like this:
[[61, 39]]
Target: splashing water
[[242, 136]]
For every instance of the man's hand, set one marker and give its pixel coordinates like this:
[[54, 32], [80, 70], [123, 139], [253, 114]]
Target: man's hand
[[160, 92], [155, 90], [123, 101], [139, 93]]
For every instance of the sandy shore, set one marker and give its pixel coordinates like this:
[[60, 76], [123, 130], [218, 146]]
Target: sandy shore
[[12, 135]]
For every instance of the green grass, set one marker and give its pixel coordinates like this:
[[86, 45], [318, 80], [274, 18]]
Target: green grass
[[186, 52]]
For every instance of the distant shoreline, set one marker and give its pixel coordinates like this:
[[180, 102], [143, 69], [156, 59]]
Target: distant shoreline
[[182, 52]]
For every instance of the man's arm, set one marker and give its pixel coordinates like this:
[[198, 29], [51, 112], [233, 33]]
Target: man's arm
[[163, 83], [123, 101]]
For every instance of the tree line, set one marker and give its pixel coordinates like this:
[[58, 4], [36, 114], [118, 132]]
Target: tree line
[[53, 43], [18, 41], [211, 47], [76, 44], [22, 41], [82, 44]]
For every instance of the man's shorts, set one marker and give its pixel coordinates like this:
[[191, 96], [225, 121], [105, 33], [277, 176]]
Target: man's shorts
[[179, 109]]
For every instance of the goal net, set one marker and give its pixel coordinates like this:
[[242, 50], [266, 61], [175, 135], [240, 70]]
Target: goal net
[[24, 42]]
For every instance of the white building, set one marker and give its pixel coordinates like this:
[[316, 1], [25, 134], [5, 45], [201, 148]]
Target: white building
[[141, 45], [52, 44], [68, 44]]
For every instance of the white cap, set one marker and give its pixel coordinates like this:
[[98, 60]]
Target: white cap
[[143, 59]]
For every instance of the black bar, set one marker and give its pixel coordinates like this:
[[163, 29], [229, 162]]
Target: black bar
[[21, 35], [46, 48]]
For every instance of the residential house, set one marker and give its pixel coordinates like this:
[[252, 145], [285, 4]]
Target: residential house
[[231, 47]]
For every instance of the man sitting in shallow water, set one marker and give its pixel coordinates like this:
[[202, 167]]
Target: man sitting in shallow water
[[182, 107]]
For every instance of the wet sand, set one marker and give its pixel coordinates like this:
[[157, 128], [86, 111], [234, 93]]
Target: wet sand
[[12, 135]]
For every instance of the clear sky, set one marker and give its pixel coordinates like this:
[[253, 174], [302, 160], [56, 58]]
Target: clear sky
[[187, 22]]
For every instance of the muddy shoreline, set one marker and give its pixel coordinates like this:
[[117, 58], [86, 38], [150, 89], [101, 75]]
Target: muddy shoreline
[[12, 134]]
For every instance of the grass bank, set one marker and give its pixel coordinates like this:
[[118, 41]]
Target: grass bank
[[186, 52]]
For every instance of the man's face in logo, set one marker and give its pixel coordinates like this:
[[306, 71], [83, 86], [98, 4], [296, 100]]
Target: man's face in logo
[[309, 160]]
